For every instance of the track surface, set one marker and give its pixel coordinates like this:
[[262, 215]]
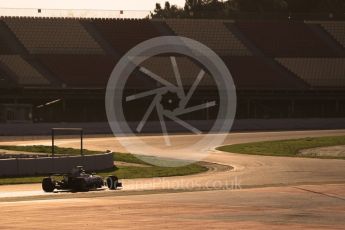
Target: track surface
[[259, 192]]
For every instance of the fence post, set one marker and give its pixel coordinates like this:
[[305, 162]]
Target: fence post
[[53, 150]]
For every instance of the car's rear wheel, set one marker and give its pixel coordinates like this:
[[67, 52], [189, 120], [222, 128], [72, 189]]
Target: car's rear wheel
[[112, 182], [48, 184]]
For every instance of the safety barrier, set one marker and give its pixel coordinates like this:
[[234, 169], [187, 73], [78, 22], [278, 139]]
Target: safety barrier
[[48, 165]]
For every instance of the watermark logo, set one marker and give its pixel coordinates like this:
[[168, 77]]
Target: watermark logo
[[171, 101], [231, 183]]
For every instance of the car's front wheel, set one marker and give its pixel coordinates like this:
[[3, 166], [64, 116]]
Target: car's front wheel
[[112, 182]]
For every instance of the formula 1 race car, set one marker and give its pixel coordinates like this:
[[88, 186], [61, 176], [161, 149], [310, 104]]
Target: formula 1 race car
[[78, 180]]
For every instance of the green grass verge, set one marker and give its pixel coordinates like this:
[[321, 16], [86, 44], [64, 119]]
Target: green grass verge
[[123, 172], [124, 157], [288, 148]]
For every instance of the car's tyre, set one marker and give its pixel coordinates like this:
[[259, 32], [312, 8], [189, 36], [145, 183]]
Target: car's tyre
[[112, 182], [48, 185]]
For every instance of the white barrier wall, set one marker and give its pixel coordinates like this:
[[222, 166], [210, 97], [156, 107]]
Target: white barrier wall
[[8, 167], [47, 165]]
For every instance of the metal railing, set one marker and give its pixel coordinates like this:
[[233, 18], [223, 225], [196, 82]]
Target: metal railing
[[79, 130], [73, 13], [139, 14]]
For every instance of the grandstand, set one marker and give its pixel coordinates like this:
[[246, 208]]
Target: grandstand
[[285, 39], [55, 36], [75, 70], [282, 69], [336, 30], [317, 72], [26, 74], [188, 69], [204, 31], [122, 35]]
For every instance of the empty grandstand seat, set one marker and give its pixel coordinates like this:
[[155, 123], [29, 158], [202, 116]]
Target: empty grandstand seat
[[336, 29], [189, 70], [285, 39], [212, 33], [4, 46], [4, 81], [318, 72], [25, 73], [125, 34], [254, 73], [80, 70], [53, 35]]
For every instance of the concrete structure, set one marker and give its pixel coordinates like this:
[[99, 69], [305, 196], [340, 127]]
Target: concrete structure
[[47, 165], [16, 113]]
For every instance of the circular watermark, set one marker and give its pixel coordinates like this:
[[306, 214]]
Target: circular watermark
[[170, 102]]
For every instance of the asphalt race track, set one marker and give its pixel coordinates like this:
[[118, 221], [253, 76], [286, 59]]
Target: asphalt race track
[[240, 191]]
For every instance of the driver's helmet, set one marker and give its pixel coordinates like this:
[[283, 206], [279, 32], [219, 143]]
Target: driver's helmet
[[77, 171]]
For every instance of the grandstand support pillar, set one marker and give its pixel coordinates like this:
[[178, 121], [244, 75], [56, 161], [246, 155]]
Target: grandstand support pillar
[[84, 112], [248, 108], [53, 143], [63, 109], [207, 112], [323, 109], [292, 108], [255, 110], [81, 142]]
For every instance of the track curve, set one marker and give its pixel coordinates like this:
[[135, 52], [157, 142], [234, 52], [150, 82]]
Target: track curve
[[243, 171]]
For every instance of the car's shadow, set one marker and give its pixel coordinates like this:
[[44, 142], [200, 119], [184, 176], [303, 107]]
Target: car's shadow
[[74, 191]]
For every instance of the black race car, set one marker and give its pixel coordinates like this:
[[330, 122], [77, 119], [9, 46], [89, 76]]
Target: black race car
[[78, 180]]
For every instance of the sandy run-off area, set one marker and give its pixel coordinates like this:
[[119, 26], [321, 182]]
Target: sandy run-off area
[[332, 151]]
